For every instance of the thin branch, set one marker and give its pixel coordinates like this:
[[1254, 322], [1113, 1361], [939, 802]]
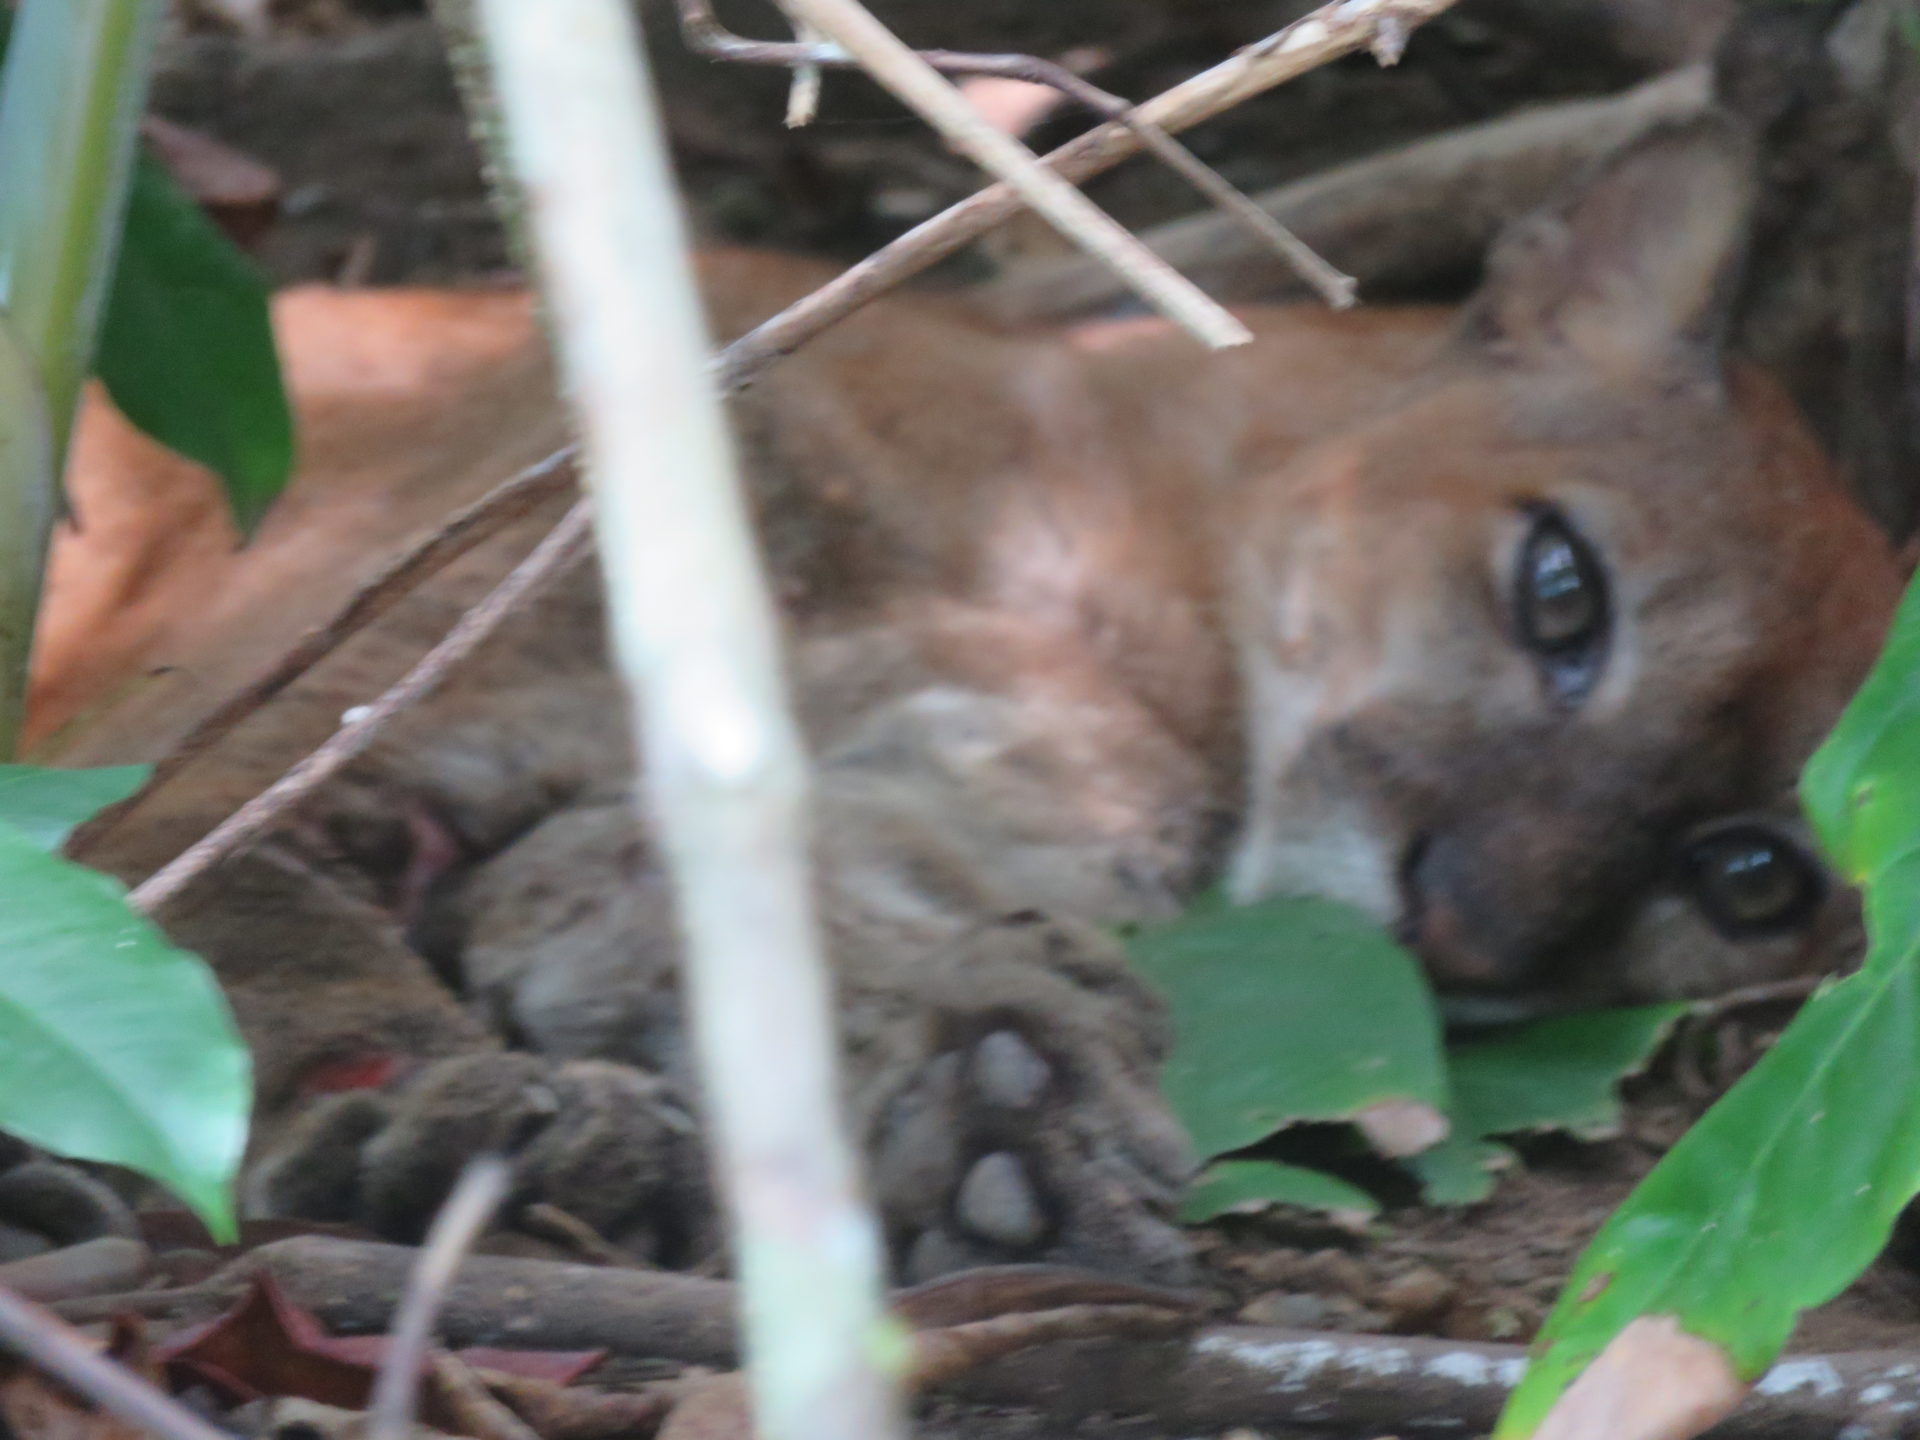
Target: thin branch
[[803, 100], [705, 35], [942, 1356], [508, 502], [1336, 29], [889, 60], [563, 546], [63, 1352], [697, 646], [475, 1199]]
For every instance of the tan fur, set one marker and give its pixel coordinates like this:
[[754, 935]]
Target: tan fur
[[1068, 611]]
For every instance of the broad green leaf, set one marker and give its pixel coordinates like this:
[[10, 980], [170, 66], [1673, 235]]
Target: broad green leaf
[[186, 346], [45, 805], [114, 1045], [1288, 1011], [1238, 1187], [1557, 1074], [1772, 1203], [1788, 1188], [1861, 786]]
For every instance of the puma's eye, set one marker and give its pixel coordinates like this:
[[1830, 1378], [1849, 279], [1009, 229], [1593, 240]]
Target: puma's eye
[[1750, 881], [1562, 595], [1560, 603]]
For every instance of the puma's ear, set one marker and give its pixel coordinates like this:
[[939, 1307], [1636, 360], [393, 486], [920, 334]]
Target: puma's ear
[[1632, 274]]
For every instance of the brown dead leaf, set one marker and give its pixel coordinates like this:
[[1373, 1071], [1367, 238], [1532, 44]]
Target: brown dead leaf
[[240, 193], [1653, 1382], [266, 1346]]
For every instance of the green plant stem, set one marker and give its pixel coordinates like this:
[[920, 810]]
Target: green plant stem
[[70, 100], [697, 644]]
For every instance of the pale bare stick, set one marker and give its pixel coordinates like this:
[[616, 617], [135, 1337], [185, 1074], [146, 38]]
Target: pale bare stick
[[468, 1209], [706, 36], [513, 499], [56, 1347], [893, 63], [803, 100], [696, 643], [1334, 30], [563, 546]]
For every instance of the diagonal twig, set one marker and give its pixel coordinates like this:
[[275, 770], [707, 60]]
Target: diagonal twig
[[705, 35], [893, 63], [476, 1196], [512, 500], [564, 545], [63, 1352]]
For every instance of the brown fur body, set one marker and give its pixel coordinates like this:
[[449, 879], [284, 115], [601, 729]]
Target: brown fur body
[[1077, 622]]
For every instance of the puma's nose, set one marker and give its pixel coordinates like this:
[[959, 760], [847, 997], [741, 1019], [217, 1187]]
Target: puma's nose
[[1450, 919]]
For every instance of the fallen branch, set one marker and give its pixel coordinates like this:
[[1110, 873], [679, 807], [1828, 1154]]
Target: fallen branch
[[1274, 1380], [1416, 214], [1334, 30], [93, 1267], [352, 1287], [564, 546], [920, 87], [1222, 1377], [706, 36]]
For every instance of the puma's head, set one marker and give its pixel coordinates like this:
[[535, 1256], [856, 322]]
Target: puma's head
[[1533, 658]]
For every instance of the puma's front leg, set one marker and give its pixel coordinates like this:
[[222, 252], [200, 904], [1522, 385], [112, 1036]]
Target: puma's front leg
[[1001, 1058]]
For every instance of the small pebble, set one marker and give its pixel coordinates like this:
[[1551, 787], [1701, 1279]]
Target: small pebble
[[1416, 1299], [1331, 1272]]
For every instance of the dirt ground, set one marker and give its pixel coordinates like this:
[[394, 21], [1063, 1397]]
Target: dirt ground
[[356, 111]]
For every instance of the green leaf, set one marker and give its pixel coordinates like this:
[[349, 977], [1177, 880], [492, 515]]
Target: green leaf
[[1239, 1187], [1773, 1202], [1461, 1170], [1288, 1011], [45, 805], [186, 346], [114, 1045], [1556, 1074], [1788, 1188]]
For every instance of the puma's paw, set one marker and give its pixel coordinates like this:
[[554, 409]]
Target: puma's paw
[[1014, 1109], [604, 1142]]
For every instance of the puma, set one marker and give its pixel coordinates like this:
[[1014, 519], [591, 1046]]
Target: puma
[[1510, 626]]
